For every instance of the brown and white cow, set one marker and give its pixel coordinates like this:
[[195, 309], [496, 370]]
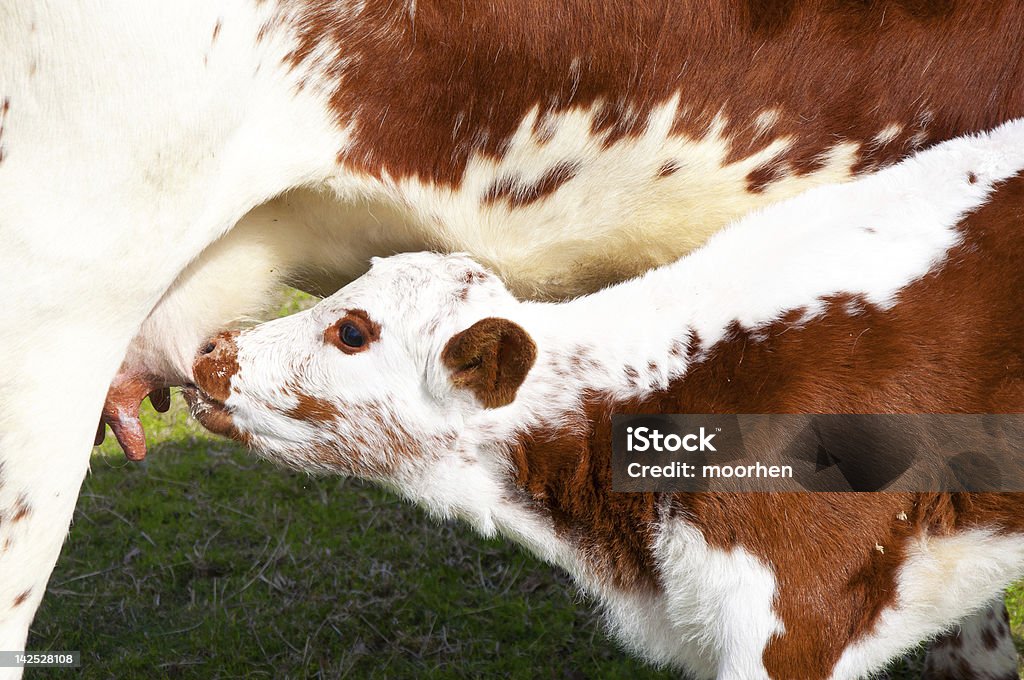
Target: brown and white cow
[[164, 165], [899, 292]]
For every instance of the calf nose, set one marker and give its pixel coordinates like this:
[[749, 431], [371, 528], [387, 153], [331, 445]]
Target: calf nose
[[216, 364]]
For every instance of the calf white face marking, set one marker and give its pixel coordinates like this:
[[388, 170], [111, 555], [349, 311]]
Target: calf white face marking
[[359, 384]]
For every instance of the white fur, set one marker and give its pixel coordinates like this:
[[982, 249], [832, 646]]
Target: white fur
[[871, 237], [720, 605]]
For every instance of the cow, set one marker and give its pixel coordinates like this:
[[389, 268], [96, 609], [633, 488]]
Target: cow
[[164, 166], [898, 292]]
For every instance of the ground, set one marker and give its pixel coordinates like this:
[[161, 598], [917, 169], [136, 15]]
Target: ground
[[204, 562]]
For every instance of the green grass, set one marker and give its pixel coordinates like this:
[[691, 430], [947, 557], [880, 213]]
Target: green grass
[[204, 562]]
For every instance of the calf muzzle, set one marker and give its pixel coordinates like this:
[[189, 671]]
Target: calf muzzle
[[216, 364]]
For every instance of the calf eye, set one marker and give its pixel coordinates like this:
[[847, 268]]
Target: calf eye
[[353, 333], [352, 336]]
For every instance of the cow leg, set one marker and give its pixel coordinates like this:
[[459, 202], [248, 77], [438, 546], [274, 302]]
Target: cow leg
[[117, 172], [980, 648], [60, 355], [71, 307], [54, 373], [44, 455]]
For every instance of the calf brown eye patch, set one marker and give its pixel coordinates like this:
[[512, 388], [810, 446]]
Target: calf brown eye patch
[[354, 332]]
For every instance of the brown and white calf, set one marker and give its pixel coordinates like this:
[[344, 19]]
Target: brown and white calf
[[899, 292], [164, 165]]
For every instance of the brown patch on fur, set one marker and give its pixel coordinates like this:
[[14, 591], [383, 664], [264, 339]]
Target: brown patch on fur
[[20, 599], [768, 18], [518, 194], [761, 177], [972, 178], [575, 364], [489, 65], [216, 365], [471, 278], [312, 409], [903, 365], [216, 31], [371, 442], [543, 130], [265, 29], [566, 474], [491, 359], [474, 276], [822, 546]]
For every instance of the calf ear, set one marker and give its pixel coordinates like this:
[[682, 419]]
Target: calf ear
[[491, 359]]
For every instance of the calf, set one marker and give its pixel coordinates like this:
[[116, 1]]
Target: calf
[[899, 292], [157, 183]]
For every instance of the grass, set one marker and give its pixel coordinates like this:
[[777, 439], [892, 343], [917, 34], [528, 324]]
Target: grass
[[204, 562]]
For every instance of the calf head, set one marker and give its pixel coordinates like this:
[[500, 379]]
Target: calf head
[[378, 380]]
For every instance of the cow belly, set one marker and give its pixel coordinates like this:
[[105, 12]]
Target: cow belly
[[622, 211], [566, 217], [570, 215]]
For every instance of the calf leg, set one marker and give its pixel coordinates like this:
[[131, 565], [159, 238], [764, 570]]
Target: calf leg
[[980, 648]]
